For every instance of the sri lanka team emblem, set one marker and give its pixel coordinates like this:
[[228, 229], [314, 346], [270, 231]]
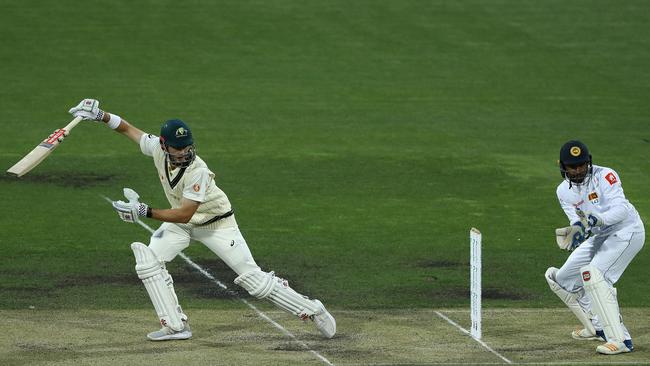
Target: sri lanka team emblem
[[575, 151], [593, 197]]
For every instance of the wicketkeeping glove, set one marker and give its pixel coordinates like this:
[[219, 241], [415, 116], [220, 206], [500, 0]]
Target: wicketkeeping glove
[[88, 109], [130, 211], [570, 237], [590, 219]]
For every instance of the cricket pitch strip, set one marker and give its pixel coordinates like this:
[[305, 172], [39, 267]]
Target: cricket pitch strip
[[241, 337]]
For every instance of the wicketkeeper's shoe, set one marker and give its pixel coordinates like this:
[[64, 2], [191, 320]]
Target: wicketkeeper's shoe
[[324, 321], [168, 334], [585, 335], [614, 347]]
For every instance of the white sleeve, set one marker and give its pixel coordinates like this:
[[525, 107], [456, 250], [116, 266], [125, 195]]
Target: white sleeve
[[570, 212], [613, 190], [148, 143], [569, 209], [197, 185]]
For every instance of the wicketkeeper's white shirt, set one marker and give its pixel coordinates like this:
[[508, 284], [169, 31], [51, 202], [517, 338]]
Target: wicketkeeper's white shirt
[[604, 196], [195, 183]]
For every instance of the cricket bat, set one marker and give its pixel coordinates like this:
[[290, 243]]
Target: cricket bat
[[40, 152]]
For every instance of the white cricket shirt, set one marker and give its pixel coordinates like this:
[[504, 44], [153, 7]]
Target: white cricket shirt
[[603, 195], [195, 183]]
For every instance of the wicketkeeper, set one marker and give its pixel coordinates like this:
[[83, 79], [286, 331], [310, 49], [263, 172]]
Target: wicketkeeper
[[201, 211], [604, 235]]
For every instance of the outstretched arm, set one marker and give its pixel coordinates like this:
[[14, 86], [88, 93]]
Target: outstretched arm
[[89, 110], [125, 128]]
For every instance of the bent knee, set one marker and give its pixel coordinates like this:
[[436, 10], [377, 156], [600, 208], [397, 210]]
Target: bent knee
[[570, 281]]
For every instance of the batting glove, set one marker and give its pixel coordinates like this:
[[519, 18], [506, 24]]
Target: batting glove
[[130, 211], [88, 109]]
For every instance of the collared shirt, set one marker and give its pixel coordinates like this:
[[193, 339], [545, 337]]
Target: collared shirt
[[603, 195], [195, 183]]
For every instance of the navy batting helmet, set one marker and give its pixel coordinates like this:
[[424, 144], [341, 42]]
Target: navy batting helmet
[[176, 134], [575, 154]]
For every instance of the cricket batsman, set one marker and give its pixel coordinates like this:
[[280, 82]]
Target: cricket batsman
[[201, 211], [604, 235]]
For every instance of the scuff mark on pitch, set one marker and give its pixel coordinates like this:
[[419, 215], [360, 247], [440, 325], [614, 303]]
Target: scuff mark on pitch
[[431, 263], [289, 346], [63, 179], [189, 279], [499, 293], [458, 293]]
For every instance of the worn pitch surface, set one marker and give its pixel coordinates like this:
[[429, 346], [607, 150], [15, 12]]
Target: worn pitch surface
[[235, 336]]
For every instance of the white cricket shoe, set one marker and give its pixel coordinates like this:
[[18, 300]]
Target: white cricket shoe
[[168, 334], [585, 335], [324, 321], [613, 348]]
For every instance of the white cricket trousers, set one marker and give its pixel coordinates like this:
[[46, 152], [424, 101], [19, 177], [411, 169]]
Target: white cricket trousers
[[227, 243], [611, 255]]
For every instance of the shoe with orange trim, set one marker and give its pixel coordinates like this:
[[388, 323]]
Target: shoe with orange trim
[[615, 347]]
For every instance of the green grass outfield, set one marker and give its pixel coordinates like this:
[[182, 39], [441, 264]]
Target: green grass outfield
[[357, 140]]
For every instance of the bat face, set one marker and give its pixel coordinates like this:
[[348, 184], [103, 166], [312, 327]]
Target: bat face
[[45, 148], [31, 160]]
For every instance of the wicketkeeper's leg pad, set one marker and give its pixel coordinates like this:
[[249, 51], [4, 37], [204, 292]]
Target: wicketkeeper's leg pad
[[571, 301], [266, 285], [159, 286], [603, 302]]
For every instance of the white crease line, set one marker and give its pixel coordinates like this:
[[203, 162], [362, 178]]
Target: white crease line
[[261, 314], [562, 363], [477, 340]]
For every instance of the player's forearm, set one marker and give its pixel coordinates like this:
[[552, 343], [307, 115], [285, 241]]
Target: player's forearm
[[615, 215], [171, 215], [125, 128]]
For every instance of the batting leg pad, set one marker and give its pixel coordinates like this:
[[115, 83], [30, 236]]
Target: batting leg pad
[[571, 301], [266, 285], [159, 286], [603, 302]]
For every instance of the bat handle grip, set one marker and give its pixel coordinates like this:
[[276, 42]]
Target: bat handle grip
[[72, 123]]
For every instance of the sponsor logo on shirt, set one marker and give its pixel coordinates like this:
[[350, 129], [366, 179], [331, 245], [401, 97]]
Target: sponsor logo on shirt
[[586, 276], [611, 178], [196, 188], [579, 203]]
